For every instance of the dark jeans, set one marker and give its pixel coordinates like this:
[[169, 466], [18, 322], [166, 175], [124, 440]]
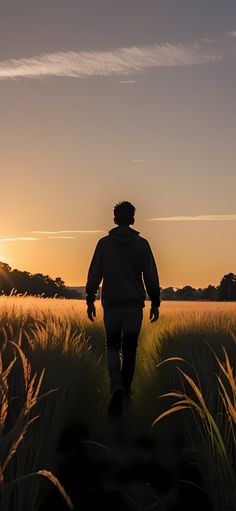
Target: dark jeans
[[122, 326]]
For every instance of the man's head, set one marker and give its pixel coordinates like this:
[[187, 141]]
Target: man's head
[[124, 213]]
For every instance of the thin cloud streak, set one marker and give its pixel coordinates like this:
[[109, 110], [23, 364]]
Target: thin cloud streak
[[61, 237], [121, 61], [232, 34], [139, 161], [67, 232], [208, 40], [197, 218], [19, 239], [126, 82]]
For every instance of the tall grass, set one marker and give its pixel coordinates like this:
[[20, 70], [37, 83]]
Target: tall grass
[[213, 434], [16, 420], [55, 334]]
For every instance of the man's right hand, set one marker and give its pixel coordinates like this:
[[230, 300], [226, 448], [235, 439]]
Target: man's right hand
[[154, 314], [91, 311]]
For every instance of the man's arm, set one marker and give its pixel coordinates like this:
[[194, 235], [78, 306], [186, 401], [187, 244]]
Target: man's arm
[[94, 279], [151, 281]]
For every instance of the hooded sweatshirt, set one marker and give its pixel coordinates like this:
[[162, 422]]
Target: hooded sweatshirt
[[125, 263]]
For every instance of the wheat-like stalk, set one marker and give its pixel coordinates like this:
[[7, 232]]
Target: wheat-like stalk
[[44, 473], [211, 431], [10, 441]]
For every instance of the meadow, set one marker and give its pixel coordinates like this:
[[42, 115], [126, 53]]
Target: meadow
[[58, 446]]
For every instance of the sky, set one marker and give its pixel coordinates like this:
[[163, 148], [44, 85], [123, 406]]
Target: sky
[[103, 101]]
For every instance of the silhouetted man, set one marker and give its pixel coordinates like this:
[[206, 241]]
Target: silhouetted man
[[123, 260]]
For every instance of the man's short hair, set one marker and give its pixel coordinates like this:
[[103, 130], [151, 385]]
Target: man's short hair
[[124, 213]]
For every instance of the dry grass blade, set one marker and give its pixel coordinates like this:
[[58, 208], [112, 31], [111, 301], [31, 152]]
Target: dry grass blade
[[221, 365], [227, 401], [3, 401], [230, 373], [196, 390], [36, 392], [183, 399], [173, 394], [8, 369], [100, 359], [48, 475], [4, 390], [15, 443], [42, 396], [170, 359], [3, 331], [32, 395], [227, 370], [98, 444], [168, 412], [188, 401], [58, 485], [25, 363], [29, 396]]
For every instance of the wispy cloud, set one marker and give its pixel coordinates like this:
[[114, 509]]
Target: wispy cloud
[[61, 237], [208, 40], [126, 82], [197, 218], [232, 34], [19, 239], [79, 231], [121, 61], [139, 161]]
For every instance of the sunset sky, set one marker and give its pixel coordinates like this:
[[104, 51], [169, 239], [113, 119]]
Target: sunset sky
[[110, 100]]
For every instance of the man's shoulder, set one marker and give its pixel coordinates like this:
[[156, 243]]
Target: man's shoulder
[[143, 241], [102, 240]]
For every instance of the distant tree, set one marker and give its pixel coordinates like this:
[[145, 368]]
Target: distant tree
[[72, 293], [21, 281], [6, 284], [179, 294], [59, 282], [4, 267], [188, 293], [210, 293], [199, 294], [227, 288], [33, 284], [168, 293]]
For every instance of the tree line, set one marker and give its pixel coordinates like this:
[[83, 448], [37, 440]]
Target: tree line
[[23, 282], [225, 291]]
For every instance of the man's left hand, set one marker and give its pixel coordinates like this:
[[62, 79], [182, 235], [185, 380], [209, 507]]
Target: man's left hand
[[154, 314], [91, 311]]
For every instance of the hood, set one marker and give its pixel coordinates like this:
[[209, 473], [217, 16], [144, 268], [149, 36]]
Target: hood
[[123, 235]]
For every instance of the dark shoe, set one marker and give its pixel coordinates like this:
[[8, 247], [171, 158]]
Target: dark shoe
[[116, 404]]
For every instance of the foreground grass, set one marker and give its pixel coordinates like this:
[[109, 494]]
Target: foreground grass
[[55, 335]]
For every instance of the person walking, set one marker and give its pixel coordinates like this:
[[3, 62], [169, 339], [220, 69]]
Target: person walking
[[123, 260]]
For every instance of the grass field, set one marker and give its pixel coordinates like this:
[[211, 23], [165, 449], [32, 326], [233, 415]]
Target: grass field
[[163, 453]]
